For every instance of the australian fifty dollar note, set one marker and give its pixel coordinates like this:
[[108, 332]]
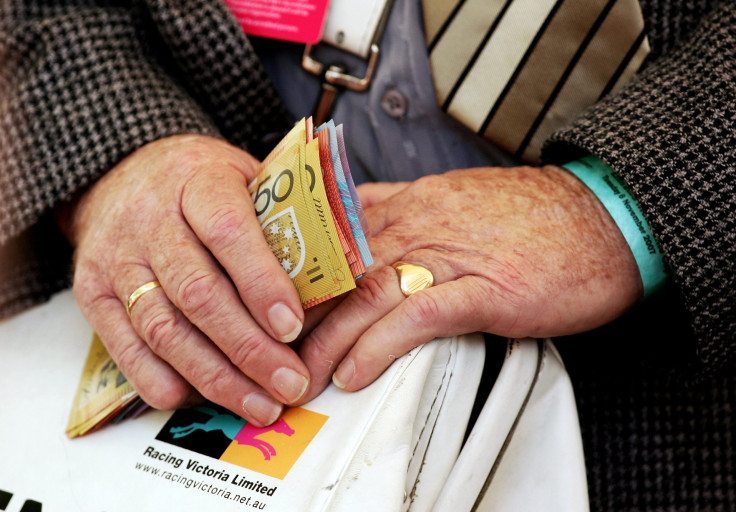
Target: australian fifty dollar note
[[292, 206]]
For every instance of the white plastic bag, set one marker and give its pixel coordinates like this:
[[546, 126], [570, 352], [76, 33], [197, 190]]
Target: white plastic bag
[[391, 447]]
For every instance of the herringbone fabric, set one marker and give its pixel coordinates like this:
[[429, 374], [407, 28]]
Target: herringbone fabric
[[652, 444], [671, 135], [83, 83]]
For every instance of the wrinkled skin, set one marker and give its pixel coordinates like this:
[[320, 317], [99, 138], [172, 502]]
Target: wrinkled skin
[[178, 210], [516, 252]]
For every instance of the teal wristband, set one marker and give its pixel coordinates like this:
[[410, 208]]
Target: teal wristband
[[617, 199]]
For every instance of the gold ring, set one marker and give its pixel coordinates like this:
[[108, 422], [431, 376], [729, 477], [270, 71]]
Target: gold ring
[[139, 292], [412, 278]]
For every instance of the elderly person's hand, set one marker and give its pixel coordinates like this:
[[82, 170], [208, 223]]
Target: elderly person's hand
[[515, 252], [178, 211]]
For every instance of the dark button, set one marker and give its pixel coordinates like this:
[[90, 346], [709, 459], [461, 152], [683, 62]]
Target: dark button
[[394, 103]]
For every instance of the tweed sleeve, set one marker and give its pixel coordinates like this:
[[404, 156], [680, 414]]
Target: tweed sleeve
[[671, 135], [80, 88], [84, 83]]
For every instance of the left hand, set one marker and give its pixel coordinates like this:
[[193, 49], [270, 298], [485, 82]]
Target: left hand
[[516, 252], [177, 210]]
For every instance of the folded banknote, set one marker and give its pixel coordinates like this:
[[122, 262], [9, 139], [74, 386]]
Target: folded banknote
[[312, 219]]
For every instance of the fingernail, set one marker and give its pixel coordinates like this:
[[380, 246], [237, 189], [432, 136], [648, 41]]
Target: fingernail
[[262, 408], [289, 383], [344, 374], [284, 322]]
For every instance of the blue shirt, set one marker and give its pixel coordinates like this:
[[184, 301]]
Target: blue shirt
[[394, 131]]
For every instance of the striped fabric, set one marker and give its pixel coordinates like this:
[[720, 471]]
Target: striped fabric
[[515, 70]]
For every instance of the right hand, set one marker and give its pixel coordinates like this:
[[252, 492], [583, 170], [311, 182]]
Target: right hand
[[516, 252], [178, 210]]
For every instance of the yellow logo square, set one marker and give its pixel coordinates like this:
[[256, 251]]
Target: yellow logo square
[[273, 450]]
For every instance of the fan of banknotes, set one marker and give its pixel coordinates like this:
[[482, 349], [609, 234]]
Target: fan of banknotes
[[312, 219], [311, 216]]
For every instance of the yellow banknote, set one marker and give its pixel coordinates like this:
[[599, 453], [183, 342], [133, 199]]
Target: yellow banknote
[[292, 206], [292, 225], [102, 393], [341, 269]]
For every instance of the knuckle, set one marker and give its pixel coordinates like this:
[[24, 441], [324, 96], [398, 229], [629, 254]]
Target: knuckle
[[210, 380], [431, 183], [129, 357], [259, 283], [321, 347], [373, 290], [197, 292], [224, 226], [87, 291], [192, 152], [249, 354], [429, 180], [89, 299], [433, 192], [424, 308], [161, 330], [162, 394]]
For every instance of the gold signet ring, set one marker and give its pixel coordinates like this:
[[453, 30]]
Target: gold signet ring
[[412, 278], [139, 292]]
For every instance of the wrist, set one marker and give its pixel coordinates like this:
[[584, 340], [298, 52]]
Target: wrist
[[615, 196]]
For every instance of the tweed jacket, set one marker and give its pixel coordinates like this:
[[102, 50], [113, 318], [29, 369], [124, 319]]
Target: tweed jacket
[[83, 83]]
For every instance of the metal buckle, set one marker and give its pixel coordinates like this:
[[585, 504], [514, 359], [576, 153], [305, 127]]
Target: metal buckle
[[336, 76], [335, 79]]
